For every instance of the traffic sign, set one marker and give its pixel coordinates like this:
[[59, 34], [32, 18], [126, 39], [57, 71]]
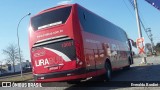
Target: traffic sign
[[141, 50], [140, 40], [140, 45]]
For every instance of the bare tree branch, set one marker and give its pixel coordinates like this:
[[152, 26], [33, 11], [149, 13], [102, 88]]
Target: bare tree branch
[[12, 55]]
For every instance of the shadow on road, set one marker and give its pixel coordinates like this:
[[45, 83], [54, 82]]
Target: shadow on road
[[121, 78]]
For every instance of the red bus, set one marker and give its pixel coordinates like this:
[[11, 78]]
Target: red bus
[[69, 42]]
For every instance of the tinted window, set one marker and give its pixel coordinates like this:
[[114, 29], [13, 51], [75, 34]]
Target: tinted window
[[51, 18], [67, 49], [97, 25]]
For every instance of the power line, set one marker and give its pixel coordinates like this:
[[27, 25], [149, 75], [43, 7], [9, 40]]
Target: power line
[[147, 30], [141, 18], [128, 8], [132, 4]]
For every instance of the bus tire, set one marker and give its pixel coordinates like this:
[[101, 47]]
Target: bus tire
[[108, 73]]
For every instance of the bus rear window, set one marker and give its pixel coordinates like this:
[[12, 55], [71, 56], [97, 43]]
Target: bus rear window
[[52, 18]]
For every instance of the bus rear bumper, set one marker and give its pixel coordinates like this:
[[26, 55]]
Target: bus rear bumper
[[61, 76]]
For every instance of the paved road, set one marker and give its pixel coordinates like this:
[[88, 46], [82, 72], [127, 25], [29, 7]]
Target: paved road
[[140, 72], [137, 72], [16, 75]]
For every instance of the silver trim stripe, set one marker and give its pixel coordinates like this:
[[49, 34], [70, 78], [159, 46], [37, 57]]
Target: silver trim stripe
[[47, 42], [51, 38]]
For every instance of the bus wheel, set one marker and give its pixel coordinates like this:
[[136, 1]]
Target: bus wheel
[[108, 71]]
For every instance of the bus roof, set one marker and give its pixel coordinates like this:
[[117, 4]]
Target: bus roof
[[56, 7], [66, 5], [53, 8]]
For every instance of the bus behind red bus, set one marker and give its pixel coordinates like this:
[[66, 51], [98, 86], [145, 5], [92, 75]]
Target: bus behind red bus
[[69, 42]]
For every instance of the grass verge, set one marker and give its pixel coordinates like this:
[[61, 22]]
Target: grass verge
[[18, 78]]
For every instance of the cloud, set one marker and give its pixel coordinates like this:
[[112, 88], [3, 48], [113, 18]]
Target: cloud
[[64, 2]]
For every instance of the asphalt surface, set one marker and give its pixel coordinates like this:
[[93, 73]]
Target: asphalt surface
[[3, 77], [137, 72]]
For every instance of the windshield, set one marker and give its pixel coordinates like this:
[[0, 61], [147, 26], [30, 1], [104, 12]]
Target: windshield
[[52, 18]]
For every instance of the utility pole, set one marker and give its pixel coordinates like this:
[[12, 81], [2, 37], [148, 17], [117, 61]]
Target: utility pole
[[148, 30], [139, 29], [19, 49]]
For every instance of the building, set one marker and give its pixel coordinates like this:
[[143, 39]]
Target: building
[[25, 66]]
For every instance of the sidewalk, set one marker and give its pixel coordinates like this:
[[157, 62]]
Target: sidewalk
[[155, 60]]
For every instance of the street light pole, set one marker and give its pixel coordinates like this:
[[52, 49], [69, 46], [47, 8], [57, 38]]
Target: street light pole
[[139, 27], [18, 41]]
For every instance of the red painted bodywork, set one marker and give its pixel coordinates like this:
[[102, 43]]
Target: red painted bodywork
[[84, 50]]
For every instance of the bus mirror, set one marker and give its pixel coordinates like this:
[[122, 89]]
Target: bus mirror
[[133, 43]]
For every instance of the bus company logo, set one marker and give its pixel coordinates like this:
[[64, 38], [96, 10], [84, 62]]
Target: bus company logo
[[6, 84], [39, 54], [48, 61], [42, 62]]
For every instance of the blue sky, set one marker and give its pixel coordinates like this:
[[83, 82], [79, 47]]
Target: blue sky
[[11, 11]]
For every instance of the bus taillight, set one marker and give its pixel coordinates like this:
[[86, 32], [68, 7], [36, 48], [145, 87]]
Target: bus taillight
[[78, 54]]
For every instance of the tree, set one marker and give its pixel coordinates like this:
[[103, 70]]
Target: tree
[[148, 46], [157, 48], [12, 54]]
